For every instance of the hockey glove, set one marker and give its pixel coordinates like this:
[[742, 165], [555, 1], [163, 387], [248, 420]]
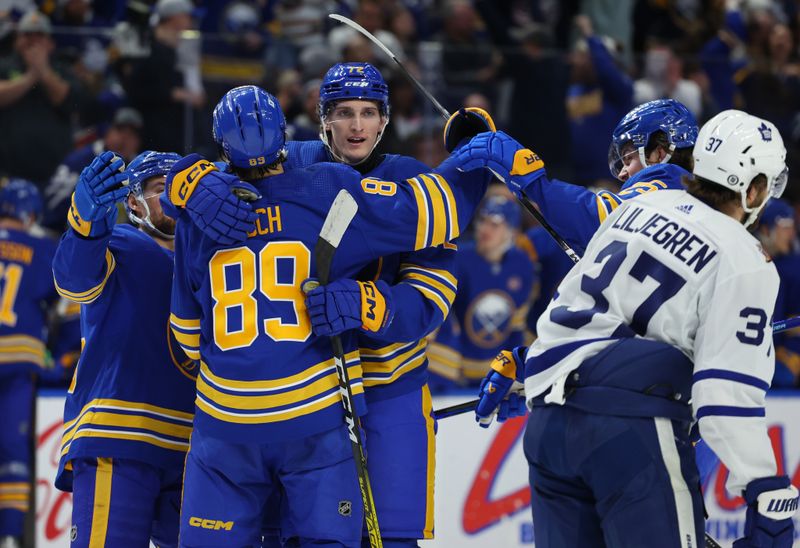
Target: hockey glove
[[771, 503], [101, 185], [466, 124], [348, 304], [515, 165], [210, 199], [502, 392]]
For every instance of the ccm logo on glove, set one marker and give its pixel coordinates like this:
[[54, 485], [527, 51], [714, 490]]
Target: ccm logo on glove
[[183, 183]]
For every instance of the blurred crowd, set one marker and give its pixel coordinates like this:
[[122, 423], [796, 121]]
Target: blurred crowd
[[81, 76]]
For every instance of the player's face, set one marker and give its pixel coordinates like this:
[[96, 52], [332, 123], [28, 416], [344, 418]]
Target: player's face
[[354, 126], [491, 234], [152, 189], [783, 237], [632, 162]]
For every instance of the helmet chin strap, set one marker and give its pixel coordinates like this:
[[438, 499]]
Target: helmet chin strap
[[146, 221], [666, 158], [323, 135]]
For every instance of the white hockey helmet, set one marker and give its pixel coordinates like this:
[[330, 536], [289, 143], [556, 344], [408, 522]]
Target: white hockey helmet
[[733, 148]]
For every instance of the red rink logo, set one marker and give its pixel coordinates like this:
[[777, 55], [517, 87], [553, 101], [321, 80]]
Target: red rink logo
[[480, 511]]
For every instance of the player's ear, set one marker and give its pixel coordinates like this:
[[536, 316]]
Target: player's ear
[[133, 204]]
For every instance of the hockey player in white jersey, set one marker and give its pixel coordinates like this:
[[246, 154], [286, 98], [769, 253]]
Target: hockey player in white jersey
[[665, 320]]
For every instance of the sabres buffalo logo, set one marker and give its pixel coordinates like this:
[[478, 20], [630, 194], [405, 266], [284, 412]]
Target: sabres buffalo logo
[[488, 319]]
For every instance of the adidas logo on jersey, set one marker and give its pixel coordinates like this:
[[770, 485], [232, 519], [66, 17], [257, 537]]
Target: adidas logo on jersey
[[684, 208]]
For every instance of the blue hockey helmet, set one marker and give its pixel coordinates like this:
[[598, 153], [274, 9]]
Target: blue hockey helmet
[[20, 199], [500, 208], [249, 128], [777, 212], [666, 115], [145, 166], [345, 81]]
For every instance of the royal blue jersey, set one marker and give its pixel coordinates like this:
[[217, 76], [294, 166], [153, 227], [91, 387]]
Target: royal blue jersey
[[551, 264], [787, 343], [488, 314], [26, 292], [133, 390], [241, 312], [423, 289], [576, 212]]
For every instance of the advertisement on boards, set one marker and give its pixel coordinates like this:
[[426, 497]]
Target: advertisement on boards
[[482, 496]]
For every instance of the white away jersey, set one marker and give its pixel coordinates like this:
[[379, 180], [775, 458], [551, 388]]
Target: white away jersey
[[667, 267]]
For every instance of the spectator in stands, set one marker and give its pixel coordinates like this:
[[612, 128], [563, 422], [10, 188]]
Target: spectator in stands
[[540, 77], [778, 236], [305, 126], [123, 137], [663, 79], [370, 15], [38, 98], [599, 95], [770, 85], [495, 281], [469, 62], [158, 88]]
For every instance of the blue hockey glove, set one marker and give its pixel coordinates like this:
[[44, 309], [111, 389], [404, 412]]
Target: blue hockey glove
[[502, 392], [464, 125], [348, 304], [515, 165], [771, 503], [210, 199], [101, 185]]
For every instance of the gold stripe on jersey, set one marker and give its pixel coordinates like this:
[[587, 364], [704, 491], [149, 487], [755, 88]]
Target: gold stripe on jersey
[[15, 496], [452, 208], [444, 361], [421, 241], [184, 323], [475, 369], [304, 400], [85, 297], [145, 418], [384, 365], [22, 349], [606, 204], [440, 231], [441, 280]]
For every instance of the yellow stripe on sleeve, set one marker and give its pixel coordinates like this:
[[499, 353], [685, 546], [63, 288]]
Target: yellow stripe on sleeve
[[438, 211], [183, 323], [452, 208], [187, 339], [422, 214], [85, 297]]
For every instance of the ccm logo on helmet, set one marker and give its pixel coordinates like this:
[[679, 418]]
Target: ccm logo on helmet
[[214, 524]]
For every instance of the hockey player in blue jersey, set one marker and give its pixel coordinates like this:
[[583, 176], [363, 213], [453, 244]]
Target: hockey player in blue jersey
[[235, 306], [651, 149], [419, 289], [496, 279], [26, 291], [665, 320], [778, 235], [128, 414]]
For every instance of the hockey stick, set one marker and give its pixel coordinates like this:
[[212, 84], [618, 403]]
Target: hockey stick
[[466, 407], [339, 217], [526, 203]]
